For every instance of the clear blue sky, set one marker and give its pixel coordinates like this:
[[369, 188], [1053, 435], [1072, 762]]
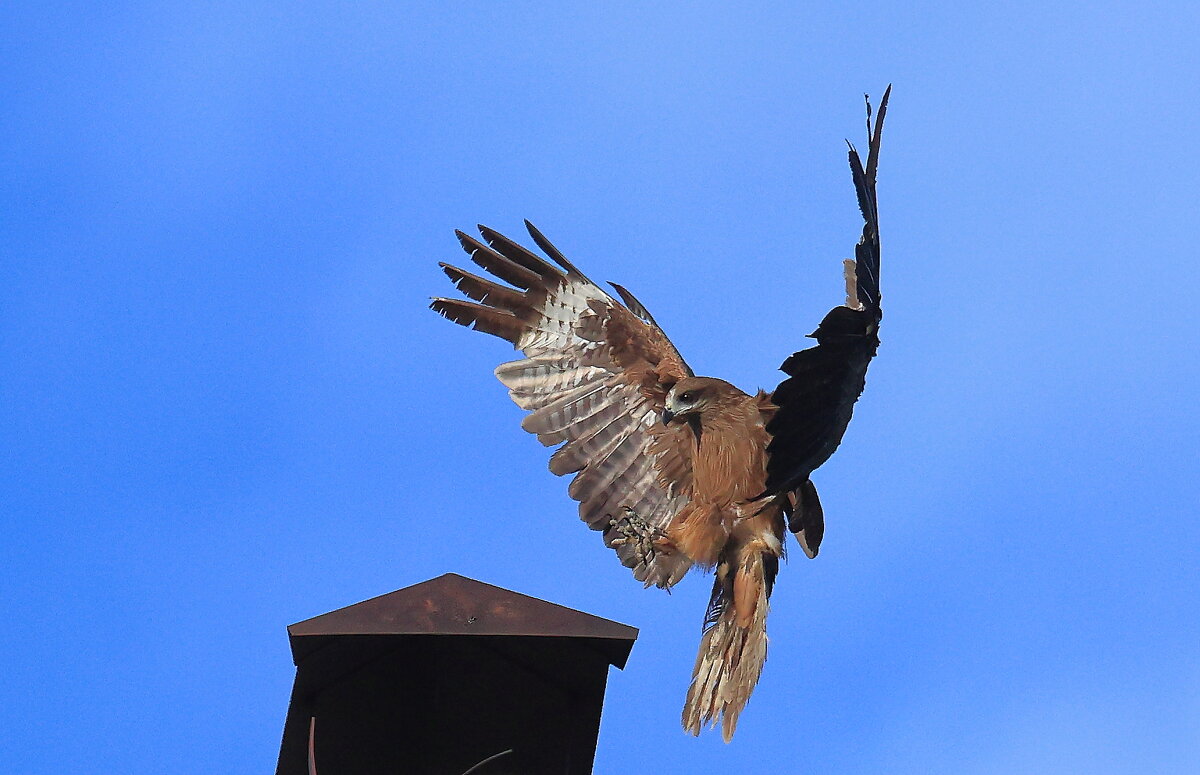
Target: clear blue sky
[[224, 406]]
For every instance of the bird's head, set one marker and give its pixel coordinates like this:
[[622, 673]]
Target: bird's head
[[688, 398]]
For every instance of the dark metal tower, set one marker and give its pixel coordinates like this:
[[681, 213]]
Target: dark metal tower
[[439, 676]]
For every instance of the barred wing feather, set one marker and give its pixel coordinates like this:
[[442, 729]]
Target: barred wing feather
[[594, 378]]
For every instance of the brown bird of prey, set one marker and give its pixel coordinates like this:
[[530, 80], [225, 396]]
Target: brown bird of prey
[[679, 470]]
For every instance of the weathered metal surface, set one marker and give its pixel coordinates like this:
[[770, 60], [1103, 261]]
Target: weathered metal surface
[[441, 675], [456, 605]]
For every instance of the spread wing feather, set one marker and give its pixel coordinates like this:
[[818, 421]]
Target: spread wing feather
[[637, 308], [815, 402], [594, 377]]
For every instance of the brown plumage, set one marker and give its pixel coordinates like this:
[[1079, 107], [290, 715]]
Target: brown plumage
[[679, 470]]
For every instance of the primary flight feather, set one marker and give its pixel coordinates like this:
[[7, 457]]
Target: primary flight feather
[[679, 470]]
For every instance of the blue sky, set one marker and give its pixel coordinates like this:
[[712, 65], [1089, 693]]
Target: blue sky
[[224, 406]]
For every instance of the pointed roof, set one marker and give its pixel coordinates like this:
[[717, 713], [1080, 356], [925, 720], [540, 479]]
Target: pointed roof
[[456, 605]]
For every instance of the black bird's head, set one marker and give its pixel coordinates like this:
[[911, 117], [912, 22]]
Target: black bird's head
[[844, 324]]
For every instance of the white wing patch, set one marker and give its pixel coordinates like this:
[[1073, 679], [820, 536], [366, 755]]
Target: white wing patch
[[577, 394]]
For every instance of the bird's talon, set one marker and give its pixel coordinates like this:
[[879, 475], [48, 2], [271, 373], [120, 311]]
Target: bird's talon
[[646, 539]]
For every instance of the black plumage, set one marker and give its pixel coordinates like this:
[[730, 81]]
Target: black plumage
[[824, 382]]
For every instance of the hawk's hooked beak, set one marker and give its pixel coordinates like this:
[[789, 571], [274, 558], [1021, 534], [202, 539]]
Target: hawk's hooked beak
[[667, 416]]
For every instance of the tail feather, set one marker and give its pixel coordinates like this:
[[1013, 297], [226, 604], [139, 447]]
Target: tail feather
[[733, 649]]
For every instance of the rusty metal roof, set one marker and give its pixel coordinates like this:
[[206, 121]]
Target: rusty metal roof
[[456, 605], [445, 674]]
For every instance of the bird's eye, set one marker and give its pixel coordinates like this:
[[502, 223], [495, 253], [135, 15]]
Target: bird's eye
[[687, 397]]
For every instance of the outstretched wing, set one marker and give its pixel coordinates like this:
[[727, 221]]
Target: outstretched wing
[[816, 400], [594, 378]]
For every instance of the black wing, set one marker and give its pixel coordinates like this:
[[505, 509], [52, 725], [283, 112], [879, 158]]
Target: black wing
[[816, 400]]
